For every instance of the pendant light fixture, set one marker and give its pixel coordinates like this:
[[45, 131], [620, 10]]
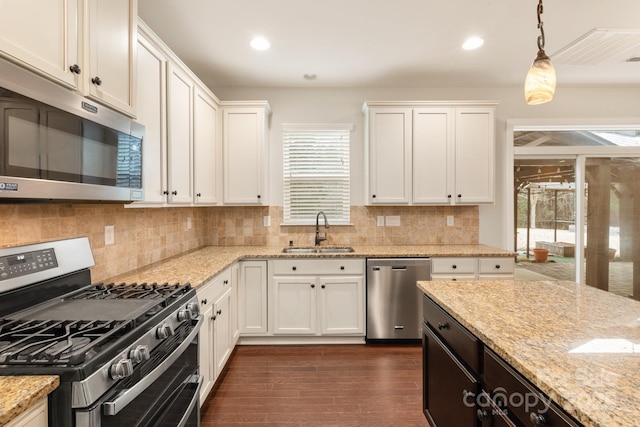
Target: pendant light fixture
[[540, 84]]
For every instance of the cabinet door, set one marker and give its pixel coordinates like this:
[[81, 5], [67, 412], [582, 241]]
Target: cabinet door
[[294, 305], [235, 277], [449, 389], [433, 151], [243, 146], [389, 156], [180, 135], [110, 35], [341, 305], [35, 416], [151, 109], [252, 298], [222, 331], [205, 159], [474, 155], [205, 350], [43, 36]]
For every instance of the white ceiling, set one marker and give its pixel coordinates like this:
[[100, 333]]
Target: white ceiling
[[386, 43]]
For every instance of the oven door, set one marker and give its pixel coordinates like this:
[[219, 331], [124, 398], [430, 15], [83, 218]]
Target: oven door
[[171, 399]]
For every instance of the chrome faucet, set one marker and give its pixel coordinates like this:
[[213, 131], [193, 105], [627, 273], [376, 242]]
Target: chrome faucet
[[320, 238]]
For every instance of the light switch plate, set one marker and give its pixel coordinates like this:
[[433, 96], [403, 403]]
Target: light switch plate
[[380, 221], [189, 225], [109, 234], [392, 221], [449, 220], [266, 221]]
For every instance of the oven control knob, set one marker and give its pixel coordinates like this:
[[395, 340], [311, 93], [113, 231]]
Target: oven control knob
[[164, 331], [140, 353], [190, 312], [121, 369]]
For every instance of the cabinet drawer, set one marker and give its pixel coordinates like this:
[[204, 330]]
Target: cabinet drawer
[[452, 277], [513, 394], [318, 267], [496, 265], [454, 265], [456, 337], [213, 288]]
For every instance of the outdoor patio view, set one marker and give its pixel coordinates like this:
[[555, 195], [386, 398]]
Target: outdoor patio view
[[545, 219]]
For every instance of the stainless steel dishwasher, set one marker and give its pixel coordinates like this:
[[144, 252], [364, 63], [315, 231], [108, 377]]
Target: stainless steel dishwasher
[[394, 303]]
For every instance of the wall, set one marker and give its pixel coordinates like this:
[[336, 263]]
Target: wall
[[142, 236], [309, 105]]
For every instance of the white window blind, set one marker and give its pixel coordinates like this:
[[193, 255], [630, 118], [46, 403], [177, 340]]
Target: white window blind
[[316, 173]]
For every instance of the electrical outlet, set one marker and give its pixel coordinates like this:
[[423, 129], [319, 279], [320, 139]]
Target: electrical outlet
[[109, 234], [266, 221], [189, 223], [392, 221], [380, 221], [449, 220]]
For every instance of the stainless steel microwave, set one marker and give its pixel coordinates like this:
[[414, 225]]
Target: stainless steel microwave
[[55, 145]]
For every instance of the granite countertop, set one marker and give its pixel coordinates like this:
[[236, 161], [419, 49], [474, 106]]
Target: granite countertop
[[198, 267], [578, 344], [19, 393], [201, 265]]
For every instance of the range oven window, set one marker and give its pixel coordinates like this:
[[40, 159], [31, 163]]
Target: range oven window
[[40, 141]]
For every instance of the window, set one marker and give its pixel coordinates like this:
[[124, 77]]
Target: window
[[316, 172]]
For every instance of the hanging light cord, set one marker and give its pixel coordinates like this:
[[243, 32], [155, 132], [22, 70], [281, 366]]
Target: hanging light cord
[[540, 27]]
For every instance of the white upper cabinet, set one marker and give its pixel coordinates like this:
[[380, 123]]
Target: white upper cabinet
[[85, 45], [430, 153], [245, 164], [152, 112], [474, 156], [389, 151], [180, 135], [205, 148], [43, 36], [182, 165], [109, 48], [433, 151]]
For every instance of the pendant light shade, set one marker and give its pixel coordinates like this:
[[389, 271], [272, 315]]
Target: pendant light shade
[[540, 84]]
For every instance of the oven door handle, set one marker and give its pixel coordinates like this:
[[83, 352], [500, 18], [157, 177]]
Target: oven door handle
[[194, 379], [126, 396]]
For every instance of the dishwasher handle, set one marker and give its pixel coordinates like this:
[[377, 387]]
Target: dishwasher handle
[[399, 268]]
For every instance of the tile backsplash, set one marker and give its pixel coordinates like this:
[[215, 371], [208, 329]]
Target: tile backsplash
[[147, 235]]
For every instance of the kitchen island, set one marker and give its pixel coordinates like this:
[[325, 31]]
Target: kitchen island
[[578, 345], [19, 393]]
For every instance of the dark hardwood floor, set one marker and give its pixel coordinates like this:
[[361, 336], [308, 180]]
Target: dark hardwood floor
[[319, 385]]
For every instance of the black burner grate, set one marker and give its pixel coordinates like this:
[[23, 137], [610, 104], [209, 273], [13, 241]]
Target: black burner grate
[[47, 342]]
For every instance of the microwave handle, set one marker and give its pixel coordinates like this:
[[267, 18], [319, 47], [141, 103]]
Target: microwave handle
[[128, 395]]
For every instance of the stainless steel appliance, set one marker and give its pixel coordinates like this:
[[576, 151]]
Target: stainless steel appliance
[[56, 145], [394, 303], [126, 354]]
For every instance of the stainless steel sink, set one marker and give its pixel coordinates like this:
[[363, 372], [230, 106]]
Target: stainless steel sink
[[318, 250]]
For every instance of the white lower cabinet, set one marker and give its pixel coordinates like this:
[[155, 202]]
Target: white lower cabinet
[[324, 297], [35, 416], [472, 268], [252, 298], [215, 338]]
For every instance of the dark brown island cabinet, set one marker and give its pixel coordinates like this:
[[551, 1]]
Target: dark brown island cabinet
[[466, 384]]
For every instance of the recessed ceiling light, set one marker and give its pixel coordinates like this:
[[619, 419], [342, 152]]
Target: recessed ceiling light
[[260, 43], [472, 43], [309, 77]]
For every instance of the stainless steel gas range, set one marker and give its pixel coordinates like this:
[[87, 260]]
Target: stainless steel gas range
[[126, 354]]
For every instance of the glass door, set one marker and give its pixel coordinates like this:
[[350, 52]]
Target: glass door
[[577, 195]]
